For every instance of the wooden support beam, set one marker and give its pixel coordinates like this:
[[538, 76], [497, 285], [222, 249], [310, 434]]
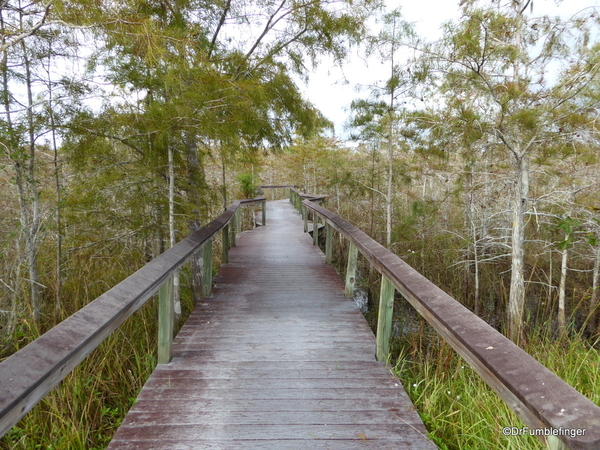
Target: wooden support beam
[[166, 317], [264, 214], [384, 318], [351, 270], [225, 245], [315, 229], [305, 218], [207, 269], [234, 226], [328, 243]]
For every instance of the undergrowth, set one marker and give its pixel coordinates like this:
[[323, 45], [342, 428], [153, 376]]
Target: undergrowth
[[461, 411], [84, 411]]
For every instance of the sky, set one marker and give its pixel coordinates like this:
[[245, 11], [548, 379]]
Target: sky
[[332, 89]]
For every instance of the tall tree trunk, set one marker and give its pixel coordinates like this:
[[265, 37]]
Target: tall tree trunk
[[562, 290], [224, 179], [593, 313], [516, 299], [12, 319], [57, 187], [172, 236], [390, 175], [195, 184], [31, 211]]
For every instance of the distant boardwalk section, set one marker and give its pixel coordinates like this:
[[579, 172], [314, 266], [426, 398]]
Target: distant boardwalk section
[[277, 358]]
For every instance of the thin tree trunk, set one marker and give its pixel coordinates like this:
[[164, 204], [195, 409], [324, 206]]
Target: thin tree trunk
[[516, 299], [594, 299], [195, 183], [172, 237], [33, 222], [224, 180], [561, 290], [57, 186], [6, 103]]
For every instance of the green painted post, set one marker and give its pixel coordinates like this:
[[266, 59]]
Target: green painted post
[[234, 227], [264, 214], [166, 316], [305, 218], [384, 319], [351, 270], [553, 443], [328, 244], [207, 269], [225, 245], [315, 229]]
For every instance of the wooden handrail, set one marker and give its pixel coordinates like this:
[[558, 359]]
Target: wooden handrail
[[541, 399], [29, 374]]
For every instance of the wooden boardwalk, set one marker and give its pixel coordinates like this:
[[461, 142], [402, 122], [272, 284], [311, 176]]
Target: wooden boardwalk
[[277, 358]]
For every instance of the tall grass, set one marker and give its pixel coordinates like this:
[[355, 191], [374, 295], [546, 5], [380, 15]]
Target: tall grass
[[461, 411], [86, 408]]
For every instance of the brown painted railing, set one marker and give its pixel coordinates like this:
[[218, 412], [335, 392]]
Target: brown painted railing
[[29, 374], [559, 415]]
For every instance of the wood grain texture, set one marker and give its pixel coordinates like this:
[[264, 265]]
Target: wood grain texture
[[277, 358]]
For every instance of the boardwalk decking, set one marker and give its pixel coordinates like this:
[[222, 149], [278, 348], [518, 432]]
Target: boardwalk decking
[[277, 358]]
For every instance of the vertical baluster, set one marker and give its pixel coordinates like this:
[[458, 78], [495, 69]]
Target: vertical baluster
[[233, 226], [264, 214], [351, 270], [315, 229], [329, 244], [225, 244], [384, 318], [207, 269], [305, 218], [166, 317]]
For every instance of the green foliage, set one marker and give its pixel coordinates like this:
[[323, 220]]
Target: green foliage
[[568, 225], [461, 411], [249, 183]]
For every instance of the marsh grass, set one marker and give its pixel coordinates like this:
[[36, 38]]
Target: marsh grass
[[461, 411], [86, 408]]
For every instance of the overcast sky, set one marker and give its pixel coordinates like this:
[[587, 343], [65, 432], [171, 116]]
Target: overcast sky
[[332, 89]]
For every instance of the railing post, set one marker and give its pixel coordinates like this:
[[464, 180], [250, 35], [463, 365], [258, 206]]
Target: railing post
[[207, 269], [225, 244], [328, 243], [384, 318], [234, 226], [351, 270], [166, 317], [554, 443], [264, 214], [315, 229], [305, 218]]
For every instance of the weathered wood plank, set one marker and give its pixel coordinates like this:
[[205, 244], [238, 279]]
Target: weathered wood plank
[[276, 358]]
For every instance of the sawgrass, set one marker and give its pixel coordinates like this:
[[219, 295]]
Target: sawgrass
[[84, 411], [461, 411]]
